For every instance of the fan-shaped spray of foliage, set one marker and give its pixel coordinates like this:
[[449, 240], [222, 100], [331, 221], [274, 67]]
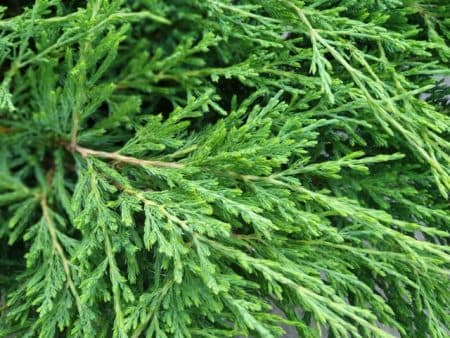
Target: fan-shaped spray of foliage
[[181, 168]]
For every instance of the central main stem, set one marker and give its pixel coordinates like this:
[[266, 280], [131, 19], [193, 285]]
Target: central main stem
[[85, 152]]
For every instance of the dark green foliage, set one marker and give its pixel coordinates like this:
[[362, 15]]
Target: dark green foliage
[[180, 168]]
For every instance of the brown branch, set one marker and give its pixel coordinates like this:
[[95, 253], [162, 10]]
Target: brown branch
[[85, 152], [74, 131], [5, 130]]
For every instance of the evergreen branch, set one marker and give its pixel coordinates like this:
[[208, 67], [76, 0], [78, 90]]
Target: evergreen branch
[[86, 152], [115, 286], [153, 306], [214, 168], [116, 17], [239, 10], [269, 270], [360, 79], [119, 327], [57, 246], [170, 217]]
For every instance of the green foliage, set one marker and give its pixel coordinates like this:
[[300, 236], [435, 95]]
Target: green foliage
[[182, 168]]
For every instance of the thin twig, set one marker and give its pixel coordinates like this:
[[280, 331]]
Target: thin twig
[[85, 152], [52, 230], [74, 132], [113, 269], [5, 130]]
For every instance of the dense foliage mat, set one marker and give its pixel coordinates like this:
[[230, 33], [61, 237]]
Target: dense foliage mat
[[219, 168]]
